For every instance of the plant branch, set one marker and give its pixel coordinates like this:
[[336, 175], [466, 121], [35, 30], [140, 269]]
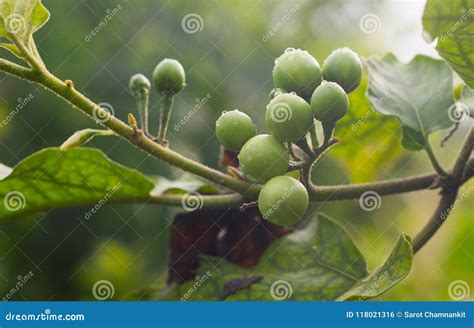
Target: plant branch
[[462, 171], [85, 105], [437, 166], [203, 201]]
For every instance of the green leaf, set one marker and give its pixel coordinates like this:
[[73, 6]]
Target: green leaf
[[452, 23], [22, 18], [318, 263], [12, 48], [185, 184], [55, 179], [368, 138], [419, 94], [394, 270]]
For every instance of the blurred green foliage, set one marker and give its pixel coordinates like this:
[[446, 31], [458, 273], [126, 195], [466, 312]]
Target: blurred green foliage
[[229, 61]]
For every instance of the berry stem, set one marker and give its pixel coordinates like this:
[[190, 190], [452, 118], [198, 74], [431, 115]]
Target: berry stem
[[166, 107], [437, 166], [314, 137], [142, 101]]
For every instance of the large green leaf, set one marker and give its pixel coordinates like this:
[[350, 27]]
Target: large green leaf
[[320, 262], [369, 145], [53, 178], [452, 23], [20, 19], [419, 94]]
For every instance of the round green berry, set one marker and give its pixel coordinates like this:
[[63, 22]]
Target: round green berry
[[283, 200], [288, 117], [263, 157], [329, 102], [297, 71], [139, 84], [234, 129], [343, 66], [169, 77]]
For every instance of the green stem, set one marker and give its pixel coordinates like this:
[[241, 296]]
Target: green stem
[[142, 101], [83, 104], [303, 145], [166, 107], [328, 130], [314, 137], [205, 201], [429, 150]]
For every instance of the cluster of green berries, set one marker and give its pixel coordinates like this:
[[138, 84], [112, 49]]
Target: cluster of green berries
[[303, 91]]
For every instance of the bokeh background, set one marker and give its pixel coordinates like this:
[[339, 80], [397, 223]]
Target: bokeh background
[[228, 48]]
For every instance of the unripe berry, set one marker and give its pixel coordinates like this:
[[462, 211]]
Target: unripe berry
[[343, 66], [169, 77], [139, 84], [263, 157], [234, 129], [283, 200], [297, 71], [329, 102], [288, 117]]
